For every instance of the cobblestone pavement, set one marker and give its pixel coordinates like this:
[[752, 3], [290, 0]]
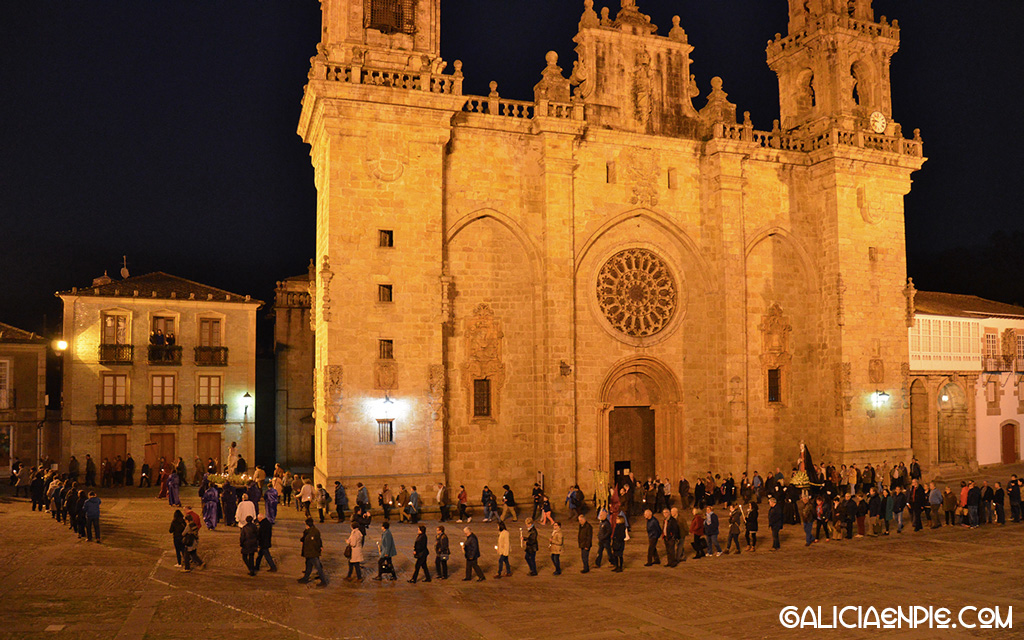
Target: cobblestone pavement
[[53, 586]]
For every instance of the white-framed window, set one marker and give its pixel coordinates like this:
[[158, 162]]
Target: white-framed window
[[115, 388], [991, 391], [115, 327], [209, 390], [991, 344], [1020, 346], [163, 389], [210, 332]]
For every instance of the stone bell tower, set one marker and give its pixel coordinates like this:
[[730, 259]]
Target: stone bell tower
[[834, 65], [377, 114], [835, 103]]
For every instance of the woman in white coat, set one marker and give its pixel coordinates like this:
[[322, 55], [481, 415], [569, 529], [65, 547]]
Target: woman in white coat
[[354, 553]]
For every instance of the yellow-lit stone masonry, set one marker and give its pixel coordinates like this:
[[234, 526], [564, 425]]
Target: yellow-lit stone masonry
[[605, 270]]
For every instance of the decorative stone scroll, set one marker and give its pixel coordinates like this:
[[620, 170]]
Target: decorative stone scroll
[[326, 275], [637, 293]]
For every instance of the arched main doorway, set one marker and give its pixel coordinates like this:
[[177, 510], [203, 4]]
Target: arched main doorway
[[953, 426], [641, 421]]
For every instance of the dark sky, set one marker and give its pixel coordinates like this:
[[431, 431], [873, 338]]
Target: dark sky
[[166, 130]]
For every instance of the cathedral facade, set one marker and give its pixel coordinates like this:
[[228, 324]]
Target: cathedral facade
[[619, 275]]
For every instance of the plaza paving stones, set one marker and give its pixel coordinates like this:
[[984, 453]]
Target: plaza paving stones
[[53, 586]]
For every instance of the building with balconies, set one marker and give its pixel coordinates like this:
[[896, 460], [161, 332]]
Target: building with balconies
[[158, 366], [22, 395], [965, 384]]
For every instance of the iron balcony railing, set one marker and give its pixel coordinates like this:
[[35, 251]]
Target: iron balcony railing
[[163, 414], [164, 354], [210, 413], [211, 356], [108, 414], [997, 364], [116, 353]]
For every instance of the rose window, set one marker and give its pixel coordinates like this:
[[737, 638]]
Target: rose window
[[636, 292]]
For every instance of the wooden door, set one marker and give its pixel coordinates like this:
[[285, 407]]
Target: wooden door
[[208, 446], [113, 445], [631, 440], [162, 445], [1009, 439]]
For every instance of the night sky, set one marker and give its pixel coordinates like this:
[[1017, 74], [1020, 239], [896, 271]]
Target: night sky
[[165, 130]]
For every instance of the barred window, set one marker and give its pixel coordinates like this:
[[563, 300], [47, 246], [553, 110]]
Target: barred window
[[384, 293], [481, 398], [386, 349], [385, 431], [386, 238], [390, 16]]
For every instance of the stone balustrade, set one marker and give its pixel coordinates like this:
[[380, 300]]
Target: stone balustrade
[[882, 29], [411, 80], [832, 138]]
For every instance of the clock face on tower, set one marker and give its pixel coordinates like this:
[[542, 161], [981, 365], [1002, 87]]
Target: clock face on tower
[[878, 122]]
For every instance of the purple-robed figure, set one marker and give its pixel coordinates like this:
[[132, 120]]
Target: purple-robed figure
[[254, 496], [210, 500], [270, 498], [173, 482]]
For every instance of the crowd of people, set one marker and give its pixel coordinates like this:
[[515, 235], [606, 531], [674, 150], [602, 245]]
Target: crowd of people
[[831, 504]]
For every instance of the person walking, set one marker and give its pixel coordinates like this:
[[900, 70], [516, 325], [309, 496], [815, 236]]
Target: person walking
[[463, 500], [697, 531], [340, 500], [807, 517], [354, 553], [249, 542], [190, 545], [306, 496], [323, 501], [177, 531], [711, 530], [585, 540], [735, 519], [530, 546], [619, 543], [386, 500], [92, 516], [471, 549], [265, 531], [420, 553], [775, 521], [312, 547], [653, 536], [443, 501], [442, 552], [386, 564], [555, 544], [604, 538], [504, 549], [751, 528], [508, 500]]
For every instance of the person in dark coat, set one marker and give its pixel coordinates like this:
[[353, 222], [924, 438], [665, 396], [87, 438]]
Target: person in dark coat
[[420, 552], [229, 503], [585, 539], [471, 549], [340, 500], [38, 492], [775, 519], [129, 470], [670, 533], [312, 546], [177, 530], [90, 471], [249, 541], [604, 538], [735, 519], [254, 493], [918, 501], [751, 528], [619, 543], [530, 546], [441, 554], [265, 528], [653, 536]]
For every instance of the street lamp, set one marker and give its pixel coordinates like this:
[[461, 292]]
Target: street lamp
[[246, 401]]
